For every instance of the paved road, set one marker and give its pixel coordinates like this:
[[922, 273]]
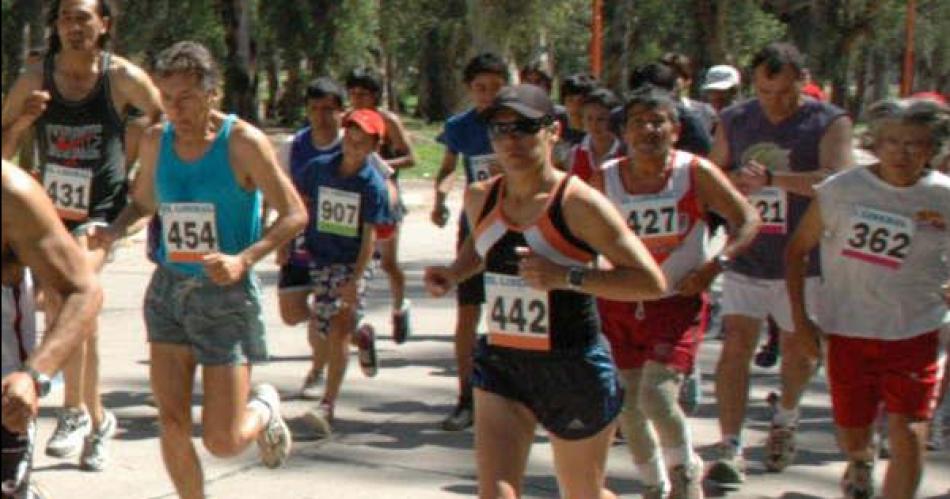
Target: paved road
[[387, 443]]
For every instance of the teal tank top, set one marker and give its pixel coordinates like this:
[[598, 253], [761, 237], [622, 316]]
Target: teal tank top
[[192, 194]]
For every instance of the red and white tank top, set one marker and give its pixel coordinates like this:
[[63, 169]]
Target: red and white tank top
[[582, 158]]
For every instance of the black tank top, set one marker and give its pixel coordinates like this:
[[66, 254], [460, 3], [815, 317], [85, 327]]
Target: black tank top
[[572, 318], [86, 134]]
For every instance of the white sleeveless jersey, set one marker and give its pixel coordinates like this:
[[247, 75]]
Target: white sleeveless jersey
[[19, 323], [670, 222], [884, 255]]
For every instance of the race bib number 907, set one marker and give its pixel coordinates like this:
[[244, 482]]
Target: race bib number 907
[[69, 190], [338, 212], [189, 230], [878, 237], [517, 315]]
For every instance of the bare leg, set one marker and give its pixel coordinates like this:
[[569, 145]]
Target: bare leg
[[908, 441], [389, 253], [504, 430], [581, 464], [338, 352], [732, 371], [465, 336], [172, 373], [229, 426]]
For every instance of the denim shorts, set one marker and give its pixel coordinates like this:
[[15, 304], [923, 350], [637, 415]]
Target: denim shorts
[[221, 324]]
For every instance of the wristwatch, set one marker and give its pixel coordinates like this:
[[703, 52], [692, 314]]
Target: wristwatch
[[42, 382], [575, 278], [723, 262]]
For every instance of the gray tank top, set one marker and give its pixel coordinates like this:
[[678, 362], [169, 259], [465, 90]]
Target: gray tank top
[[791, 145], [84, 135]]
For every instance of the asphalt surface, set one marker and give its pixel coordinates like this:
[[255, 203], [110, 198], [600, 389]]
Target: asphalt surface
[[387, 443]]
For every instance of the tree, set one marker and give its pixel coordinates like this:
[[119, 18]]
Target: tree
[[240, 68]]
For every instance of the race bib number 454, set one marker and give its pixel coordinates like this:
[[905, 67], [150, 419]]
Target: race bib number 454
[[69, 189], [517, 315], [338, 212], [878, 237], [189, 230]]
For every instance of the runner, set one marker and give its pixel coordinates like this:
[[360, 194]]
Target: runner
[[537, 233], [600, 144], [777, 146], [721, 87], [349, 198], [76, 99], [466, 134], [663, 195], [574, 89], [35, 242], [684, 84], [883, 236], [365, 88], [205, 172]]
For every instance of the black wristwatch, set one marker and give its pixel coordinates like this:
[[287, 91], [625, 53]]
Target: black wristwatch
[[575, 278], [42, 382]]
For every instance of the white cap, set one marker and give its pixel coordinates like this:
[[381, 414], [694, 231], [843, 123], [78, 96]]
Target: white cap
[[722, 77]]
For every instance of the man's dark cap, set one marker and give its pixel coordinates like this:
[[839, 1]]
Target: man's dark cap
[[527, 100]]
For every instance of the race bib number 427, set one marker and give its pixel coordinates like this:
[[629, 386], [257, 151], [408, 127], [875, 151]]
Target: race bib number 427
[[517, 315], [878, 237], [69, 189], [189, 230]]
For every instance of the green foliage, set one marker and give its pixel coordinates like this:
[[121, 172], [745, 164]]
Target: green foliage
[[146, 27]]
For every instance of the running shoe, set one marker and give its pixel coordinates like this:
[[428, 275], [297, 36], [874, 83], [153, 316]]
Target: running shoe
[[311, 385], [858, 480], [728, 472], [72, 426], [686, 480], [461, 418], [275, 440], [691, 393], [320, 419], [94, 455], [768, 355], [366, 343], [780, 447], [401, 326]]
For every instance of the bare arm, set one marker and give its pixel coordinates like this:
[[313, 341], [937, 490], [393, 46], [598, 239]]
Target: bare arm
[[142, 202], [35, 234], [807, 235], [252, 154], [22, 106], [138, 90], [720, 150], [444, 180], [834, 155], [635, 274], [399, 138], [718, 194]]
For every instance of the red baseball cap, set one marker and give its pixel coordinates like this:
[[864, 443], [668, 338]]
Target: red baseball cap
[[368, 120]]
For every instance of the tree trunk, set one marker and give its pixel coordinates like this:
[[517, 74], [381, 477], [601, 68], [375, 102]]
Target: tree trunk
[[240, 74], [618, 44], [323, 13], [23, 32]]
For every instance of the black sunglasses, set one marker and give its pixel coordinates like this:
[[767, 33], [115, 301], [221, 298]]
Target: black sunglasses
[[520, 128]]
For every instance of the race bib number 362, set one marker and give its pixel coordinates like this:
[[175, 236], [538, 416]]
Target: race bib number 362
[[189, 230], [517, 315], [878, 237], [69, 189]]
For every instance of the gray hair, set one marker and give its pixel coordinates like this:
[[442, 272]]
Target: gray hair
[[922, 112], [192, 58]]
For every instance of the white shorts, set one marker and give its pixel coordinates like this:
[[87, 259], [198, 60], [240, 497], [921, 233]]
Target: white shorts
[[760, 298]]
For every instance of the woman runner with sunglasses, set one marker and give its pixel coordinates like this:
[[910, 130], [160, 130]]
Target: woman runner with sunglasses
[[537, 233]]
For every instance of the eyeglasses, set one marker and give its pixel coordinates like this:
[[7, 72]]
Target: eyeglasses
[[520, 128]]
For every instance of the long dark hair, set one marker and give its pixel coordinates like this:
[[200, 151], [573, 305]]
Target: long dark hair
[[53, 44]]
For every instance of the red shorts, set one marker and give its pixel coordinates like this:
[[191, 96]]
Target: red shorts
[[668, 331], [862, 372], [385, 231]]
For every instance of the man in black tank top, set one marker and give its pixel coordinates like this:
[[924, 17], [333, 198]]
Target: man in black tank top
[[76, 100], [364, 87]]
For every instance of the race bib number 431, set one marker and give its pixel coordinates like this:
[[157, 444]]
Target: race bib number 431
[[189, 231], [339, 212], [69, 189], [517, 315], [772, 205], [878, 237]]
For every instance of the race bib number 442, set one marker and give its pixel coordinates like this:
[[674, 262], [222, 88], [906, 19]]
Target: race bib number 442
[[338, 212], [69, 189], [878, 237], [517, 315], [189, 231]]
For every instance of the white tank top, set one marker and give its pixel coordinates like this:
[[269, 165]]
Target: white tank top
[[884, 254], [19, 323], [670, 222]]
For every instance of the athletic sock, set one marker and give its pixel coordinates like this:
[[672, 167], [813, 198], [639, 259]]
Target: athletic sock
[[785, 417]]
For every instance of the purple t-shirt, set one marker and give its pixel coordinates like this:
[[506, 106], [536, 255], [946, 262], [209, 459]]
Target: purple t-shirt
[[792, 145]]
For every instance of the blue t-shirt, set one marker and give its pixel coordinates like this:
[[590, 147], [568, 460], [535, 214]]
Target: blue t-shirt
[[340, 206], [467, 134], [302, 152]]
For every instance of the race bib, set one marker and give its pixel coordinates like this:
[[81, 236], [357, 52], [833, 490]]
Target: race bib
[[656, 221], [189, 231], [339, 212], [482, 166], [878, 237], [70, 190], [517, 315], [772, 205]]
